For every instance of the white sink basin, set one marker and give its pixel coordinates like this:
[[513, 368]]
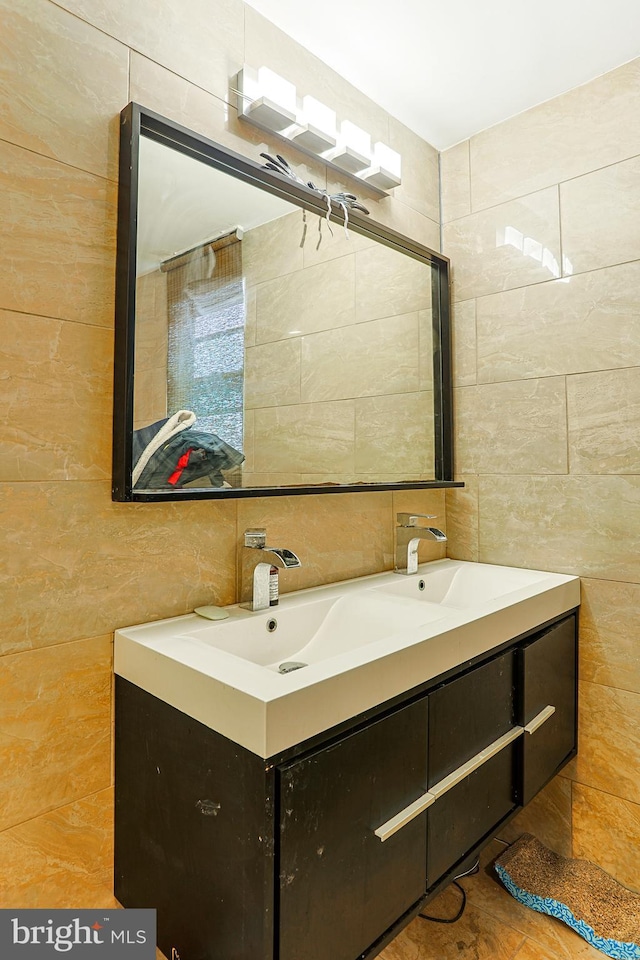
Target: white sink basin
[[463, 585], [363, 642], [313, 631]]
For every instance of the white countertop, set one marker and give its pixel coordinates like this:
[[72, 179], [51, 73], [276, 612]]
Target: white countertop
[[267, 712]]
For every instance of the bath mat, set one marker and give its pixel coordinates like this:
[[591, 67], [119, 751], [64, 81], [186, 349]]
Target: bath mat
[[579, 893]]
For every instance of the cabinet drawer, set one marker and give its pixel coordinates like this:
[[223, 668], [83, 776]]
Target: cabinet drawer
[[462, 817], [467, 714], [340, 886], [548, 667]]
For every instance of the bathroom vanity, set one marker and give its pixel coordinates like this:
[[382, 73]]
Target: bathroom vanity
[[285, 838]]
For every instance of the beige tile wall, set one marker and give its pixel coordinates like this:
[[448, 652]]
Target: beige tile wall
[[541, 220], [75, 566]]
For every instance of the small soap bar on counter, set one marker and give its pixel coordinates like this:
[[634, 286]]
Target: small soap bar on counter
[[212, 613]]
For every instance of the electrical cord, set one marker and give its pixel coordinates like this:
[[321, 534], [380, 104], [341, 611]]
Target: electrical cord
[[468, 873]]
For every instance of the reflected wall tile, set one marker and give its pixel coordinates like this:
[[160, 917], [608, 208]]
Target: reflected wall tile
[[456, 182], [420, 187], [511, 245], [547, 817], [430, 503], [62, 860], [518, 427], [337, 537], [606, 830], [356, 361], [55, 727], [389, 284], [316, 298], [609, 741], [589, 127], [66, 104], [305, 438], [272, 251], [311, 75], [572, 524], [320, 245], [272, 373], [209, 50], [463, 324], [58, 234], [55, 391], [585, 322], [604, 421], [185, 103], [78, 565], [609, 649], [463, 520], [600, 214], [381, 448]]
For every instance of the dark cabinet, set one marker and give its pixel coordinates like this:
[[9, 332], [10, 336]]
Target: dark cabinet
[[326, 852], [340, 886], [472, 735], [548, 672]]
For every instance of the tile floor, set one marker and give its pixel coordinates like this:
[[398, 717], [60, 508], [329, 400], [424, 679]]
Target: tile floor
[[494, 926]]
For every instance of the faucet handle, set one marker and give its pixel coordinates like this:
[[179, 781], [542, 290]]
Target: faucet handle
[[411, 519], [256, 537]]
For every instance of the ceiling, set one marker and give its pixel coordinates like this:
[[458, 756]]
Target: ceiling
[[452, 68]]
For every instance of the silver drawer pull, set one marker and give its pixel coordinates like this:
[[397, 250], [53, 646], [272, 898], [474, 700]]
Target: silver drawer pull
[[446, 784], [405, 816], [418, 806], [539, 719]]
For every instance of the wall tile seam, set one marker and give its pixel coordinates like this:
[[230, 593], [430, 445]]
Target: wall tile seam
[[536, 283], [550, 376], [63, 163], [61, 643], [530, 193], [61, 806], [606, 793], [610, 686], [133, 49], [48, 316]]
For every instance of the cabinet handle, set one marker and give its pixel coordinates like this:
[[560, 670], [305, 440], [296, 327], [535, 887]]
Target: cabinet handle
[[539, 719], [447, 783], [405, 816], [439, 789]]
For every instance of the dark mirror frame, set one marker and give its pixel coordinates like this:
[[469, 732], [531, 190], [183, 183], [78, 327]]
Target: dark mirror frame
[[136, 121]]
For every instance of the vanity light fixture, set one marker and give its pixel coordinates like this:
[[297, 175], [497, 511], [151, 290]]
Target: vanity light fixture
[[270, 102], [315, 129], [353, 152], [385, 171], [267, 99]]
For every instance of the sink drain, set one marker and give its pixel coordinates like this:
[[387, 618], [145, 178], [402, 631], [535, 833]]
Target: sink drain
[[289, 665]]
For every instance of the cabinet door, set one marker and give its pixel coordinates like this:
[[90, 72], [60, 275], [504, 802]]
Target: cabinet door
[[548, 668], [472, 738], [341, 886]]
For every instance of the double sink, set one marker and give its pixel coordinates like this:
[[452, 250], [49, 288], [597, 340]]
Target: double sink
[[272, 679]]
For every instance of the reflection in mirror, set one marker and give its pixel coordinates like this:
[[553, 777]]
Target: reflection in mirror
[[271, 347]]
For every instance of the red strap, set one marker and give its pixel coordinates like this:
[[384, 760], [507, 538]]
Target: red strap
[[182, 463]]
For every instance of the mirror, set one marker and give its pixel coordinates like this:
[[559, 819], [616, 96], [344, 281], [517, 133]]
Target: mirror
[[268, 339]]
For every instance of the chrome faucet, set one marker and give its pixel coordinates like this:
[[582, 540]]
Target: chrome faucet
[[259, 574], [408, 536]]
